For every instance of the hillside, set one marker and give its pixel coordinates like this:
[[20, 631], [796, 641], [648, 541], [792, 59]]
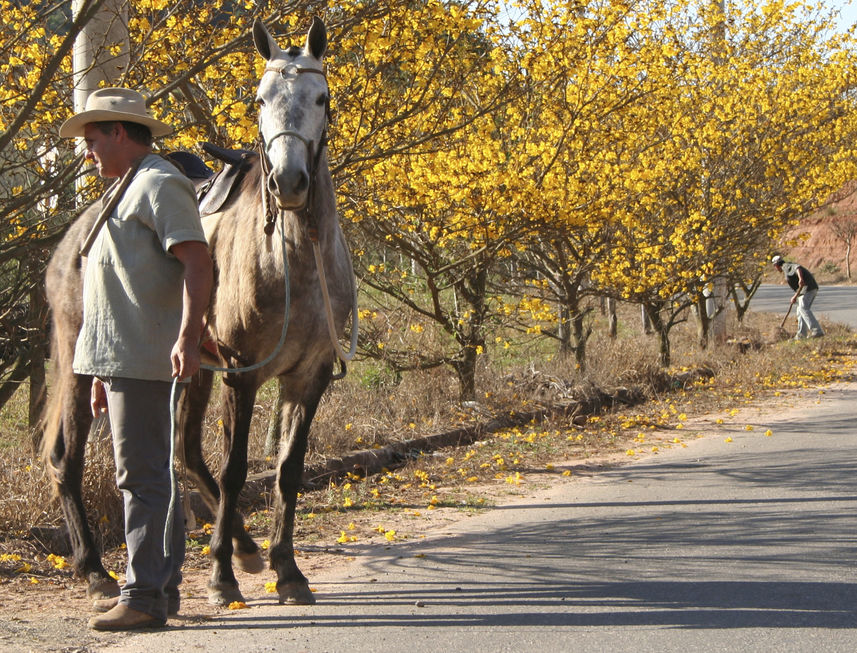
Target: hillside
[[819, 248]]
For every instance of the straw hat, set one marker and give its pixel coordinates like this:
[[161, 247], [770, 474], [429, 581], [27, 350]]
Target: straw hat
[[113, 104]]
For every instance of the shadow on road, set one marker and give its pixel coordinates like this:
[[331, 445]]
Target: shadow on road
[[784, 529]]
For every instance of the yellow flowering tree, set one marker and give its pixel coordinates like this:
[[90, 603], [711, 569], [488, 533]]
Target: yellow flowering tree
[[489, 159], [588, 70], [401, 79], [436, 214], [754, 129]]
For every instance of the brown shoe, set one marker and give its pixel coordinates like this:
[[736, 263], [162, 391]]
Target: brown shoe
[[121, 617], [104, 605]]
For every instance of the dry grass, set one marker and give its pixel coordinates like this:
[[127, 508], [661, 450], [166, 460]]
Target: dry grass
[[371, 408]]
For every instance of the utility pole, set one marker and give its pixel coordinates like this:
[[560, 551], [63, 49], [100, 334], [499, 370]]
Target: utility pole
[[720, 291]]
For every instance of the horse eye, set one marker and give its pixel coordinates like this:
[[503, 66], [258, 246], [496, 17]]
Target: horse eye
[[321, 101], [260, 102]]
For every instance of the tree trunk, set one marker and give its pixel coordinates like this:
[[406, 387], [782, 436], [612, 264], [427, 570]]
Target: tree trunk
[[19, 372], [702, 321], [612, 322], [564, 331], [581, 335], [665, 356], [647, 321], [740, 307], [465, 368], [662, 329], [717, 328], [275, 423], [101, 50]]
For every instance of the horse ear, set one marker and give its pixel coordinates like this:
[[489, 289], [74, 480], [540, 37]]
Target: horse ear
[[316, 38], [264, 42]]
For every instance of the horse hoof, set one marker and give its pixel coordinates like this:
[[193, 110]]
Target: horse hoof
[[224, 593], [251, 563], [295, 593], [102, 588]]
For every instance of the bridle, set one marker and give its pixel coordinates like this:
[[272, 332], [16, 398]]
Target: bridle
[[313, 154]]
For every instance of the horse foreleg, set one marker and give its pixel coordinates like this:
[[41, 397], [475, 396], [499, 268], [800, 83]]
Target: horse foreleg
[[238, 411], [246, 555], [67, 460], [292, 585]]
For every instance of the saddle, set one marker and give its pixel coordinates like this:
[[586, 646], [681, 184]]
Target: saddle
[[216, 191], [213, 189]]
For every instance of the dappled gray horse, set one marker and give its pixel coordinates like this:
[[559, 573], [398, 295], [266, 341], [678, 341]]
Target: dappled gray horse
[[268, 314]]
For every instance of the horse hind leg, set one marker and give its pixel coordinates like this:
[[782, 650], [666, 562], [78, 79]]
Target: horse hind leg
[[67, 459], [246, 553]]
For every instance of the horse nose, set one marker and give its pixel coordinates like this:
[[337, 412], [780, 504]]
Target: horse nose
[[301, 182], [288, 185]]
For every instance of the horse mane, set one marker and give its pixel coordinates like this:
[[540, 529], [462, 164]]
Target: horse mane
[[251, 181]]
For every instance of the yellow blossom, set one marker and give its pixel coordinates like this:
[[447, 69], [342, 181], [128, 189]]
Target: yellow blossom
[[59, 562]]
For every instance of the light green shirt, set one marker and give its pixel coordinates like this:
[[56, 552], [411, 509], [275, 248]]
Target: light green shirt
[[133, 286]]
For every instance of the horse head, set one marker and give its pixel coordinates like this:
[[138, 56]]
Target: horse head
[[294, 103]]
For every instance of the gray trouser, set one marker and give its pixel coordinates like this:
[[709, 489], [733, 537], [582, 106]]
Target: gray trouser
[[140, 420], [806, 322]]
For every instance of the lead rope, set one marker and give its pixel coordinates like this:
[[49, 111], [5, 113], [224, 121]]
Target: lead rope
[[328, 309], [168, 527]]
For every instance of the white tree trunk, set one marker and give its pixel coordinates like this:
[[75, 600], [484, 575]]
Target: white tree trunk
[[101, 51], [718, 298]]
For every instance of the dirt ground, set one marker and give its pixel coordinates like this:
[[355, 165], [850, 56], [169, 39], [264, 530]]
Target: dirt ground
[[49, 612], [52, 614]]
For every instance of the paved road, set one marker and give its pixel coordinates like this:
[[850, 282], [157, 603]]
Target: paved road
[[834, 303], [741, 546]]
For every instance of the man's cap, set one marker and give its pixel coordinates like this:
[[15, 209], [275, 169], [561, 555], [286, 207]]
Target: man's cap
[[777, 259], [106, 104]]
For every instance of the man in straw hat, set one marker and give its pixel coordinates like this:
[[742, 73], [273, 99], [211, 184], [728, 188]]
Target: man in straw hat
[[147, 283], [801, 279]]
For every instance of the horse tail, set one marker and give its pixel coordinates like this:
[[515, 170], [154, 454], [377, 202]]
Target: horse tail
[[51, 419], [63, 287]]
